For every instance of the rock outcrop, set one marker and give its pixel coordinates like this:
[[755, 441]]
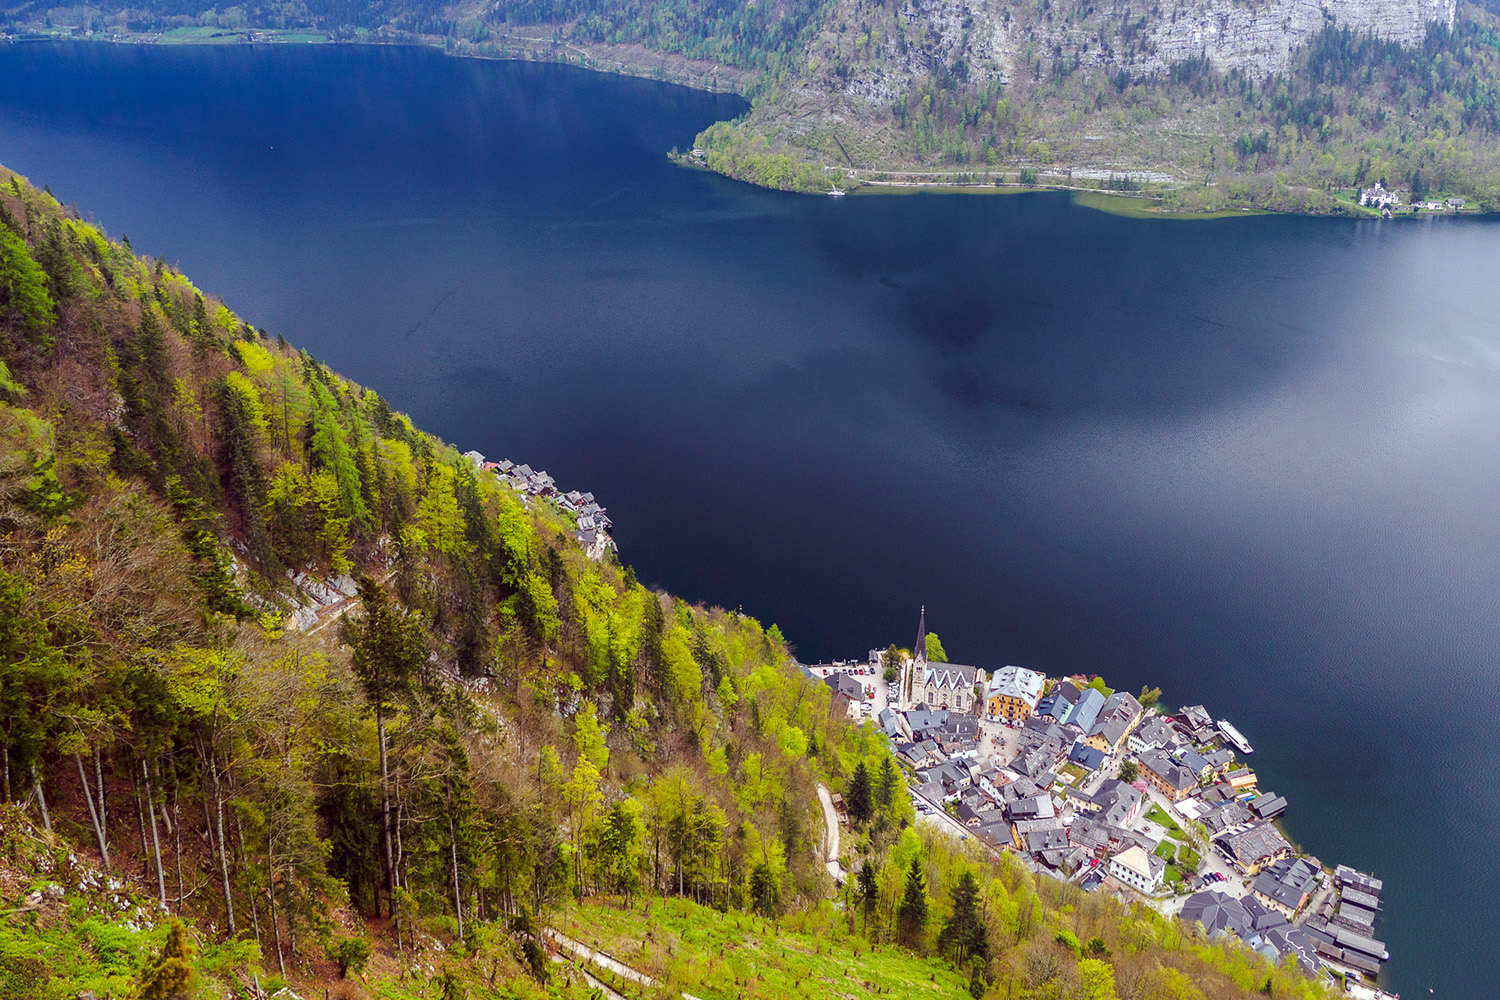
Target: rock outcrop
[[1261, 37]]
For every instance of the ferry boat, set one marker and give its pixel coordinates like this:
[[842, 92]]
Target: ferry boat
[[1234, 736]]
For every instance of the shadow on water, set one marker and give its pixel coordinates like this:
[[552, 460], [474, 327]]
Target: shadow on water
[[1252, 462]]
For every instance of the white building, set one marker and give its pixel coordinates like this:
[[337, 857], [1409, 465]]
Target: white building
[[1137, 869]]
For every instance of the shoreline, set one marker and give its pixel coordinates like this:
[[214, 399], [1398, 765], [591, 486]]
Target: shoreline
[[1198, 806], [640, 62]]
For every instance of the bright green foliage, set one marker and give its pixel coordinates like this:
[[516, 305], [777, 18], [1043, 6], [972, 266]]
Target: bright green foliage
[[1096, 980], [300, 771], [935, 651], [25, 304]]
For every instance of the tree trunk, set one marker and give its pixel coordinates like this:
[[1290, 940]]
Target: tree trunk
[[458, 906], [271, 892], [213, 767], [161, 877], [177, 836], [94, 817], [385, 816], [140, 824], [99, 780], [245, 854], [41, 797]]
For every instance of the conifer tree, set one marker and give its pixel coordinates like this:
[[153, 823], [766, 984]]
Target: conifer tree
[[964, 936], [885, 783], [911, 912], [857, 797], [869, 891], [169, 974], [390, 656]]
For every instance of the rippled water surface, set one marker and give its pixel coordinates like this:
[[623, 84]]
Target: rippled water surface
[[1253, 462]]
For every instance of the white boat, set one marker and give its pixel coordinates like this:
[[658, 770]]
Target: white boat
[[1234, 736], [835, 193]]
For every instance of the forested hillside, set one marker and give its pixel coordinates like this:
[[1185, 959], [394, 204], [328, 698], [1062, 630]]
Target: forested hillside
[[493, 735], [1204, 104]]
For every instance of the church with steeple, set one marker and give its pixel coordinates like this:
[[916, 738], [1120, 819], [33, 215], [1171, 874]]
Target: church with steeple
[[941, 685]]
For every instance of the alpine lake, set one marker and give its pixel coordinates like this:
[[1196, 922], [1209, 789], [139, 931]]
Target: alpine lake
[[1253, 461]]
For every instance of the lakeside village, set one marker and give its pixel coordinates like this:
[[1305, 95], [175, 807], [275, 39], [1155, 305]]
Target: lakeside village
[[1090, 786], [593, 524]]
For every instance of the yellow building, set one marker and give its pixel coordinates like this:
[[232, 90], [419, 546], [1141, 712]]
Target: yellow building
[[1014, 692]]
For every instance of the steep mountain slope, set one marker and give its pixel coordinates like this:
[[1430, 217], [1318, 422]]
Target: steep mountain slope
[[492, 734]]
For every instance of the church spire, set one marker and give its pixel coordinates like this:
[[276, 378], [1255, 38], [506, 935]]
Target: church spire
[[920, 653]]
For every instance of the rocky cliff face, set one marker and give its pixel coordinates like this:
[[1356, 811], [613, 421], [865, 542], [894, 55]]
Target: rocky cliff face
[[874, 59], [1260, 37]]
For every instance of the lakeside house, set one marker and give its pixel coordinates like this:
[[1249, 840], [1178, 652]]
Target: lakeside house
[[1014, 692], [1287, 885], [1379, 197], [1252, 848]]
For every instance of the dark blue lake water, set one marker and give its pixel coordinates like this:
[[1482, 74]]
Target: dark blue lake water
[[1255, 462]]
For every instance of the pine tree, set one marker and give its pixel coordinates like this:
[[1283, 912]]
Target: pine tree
[[765, 896], [911, 912], [869, 891], [964, 936], [390, 657], [885, 783], [169, 975], [857, 796]]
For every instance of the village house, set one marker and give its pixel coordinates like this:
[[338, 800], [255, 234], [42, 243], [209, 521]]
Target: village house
[[1252, 848], [851, 691], [1379, 197], [1286, 885], [1118, 717], [1154, 734], [1086, 712], [1138, 869], [1014, 692], [1167, 776], [1058, 704], [1196, 724]]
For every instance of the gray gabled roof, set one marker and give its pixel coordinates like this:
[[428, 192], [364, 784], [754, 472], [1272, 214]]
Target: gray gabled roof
[[1218, 912]]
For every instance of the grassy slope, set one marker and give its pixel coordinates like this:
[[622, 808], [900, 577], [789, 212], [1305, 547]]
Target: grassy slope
[[726, 956]]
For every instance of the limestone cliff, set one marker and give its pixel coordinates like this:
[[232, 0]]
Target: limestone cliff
[[1260, 37], [995, 39]]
